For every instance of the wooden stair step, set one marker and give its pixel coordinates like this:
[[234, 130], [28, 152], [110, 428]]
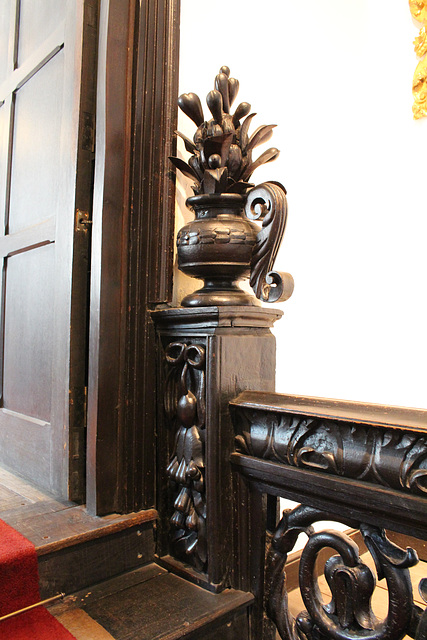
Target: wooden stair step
[[82, 626], [55, 530], [76, 549], [152, 604]]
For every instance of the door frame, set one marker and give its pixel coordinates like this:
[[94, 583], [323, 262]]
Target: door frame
[[132, 245]]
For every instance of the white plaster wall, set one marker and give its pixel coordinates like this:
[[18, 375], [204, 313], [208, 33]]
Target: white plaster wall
[[336, 77]]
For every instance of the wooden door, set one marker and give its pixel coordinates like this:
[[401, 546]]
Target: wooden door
[[47, 85]]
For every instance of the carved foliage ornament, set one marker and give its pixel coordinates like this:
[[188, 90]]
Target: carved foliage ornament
[[386, 457], [185, 410], [419, 84], [223, 245], [221, 150], [348, 615]]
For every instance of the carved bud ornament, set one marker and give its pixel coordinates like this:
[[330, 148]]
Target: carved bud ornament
[[223, 244]]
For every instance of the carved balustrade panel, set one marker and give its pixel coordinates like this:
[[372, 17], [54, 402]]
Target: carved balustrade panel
[[362, 465], [348, 614]]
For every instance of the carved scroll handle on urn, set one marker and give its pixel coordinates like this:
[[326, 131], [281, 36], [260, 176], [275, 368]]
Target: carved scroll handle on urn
[[267, 202]]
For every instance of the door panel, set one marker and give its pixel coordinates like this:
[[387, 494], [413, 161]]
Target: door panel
[[38, 19], [46, 179], [5, 18], [27, 332], [37, 129]]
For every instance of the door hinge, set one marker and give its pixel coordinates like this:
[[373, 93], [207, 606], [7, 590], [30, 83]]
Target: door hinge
[[83, 221]]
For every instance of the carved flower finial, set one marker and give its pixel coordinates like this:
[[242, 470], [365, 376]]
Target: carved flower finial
[[221, 150]]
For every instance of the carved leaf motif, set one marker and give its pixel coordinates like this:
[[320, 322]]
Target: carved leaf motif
[[185, 168], [260, 135], [244, 137], [268, 202], [268, 156], [189, 144], [386, 457]]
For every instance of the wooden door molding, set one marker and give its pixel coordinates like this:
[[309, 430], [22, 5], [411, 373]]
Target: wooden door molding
[[132, 248]]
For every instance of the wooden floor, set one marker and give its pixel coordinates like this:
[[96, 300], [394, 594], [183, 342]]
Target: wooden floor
[[51, 523]]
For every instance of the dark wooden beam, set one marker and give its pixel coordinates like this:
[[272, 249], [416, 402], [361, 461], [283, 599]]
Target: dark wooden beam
[[132, 244], [151, 233]]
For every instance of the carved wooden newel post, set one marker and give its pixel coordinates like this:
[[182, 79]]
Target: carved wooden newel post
[[209, 355], [218, 343]]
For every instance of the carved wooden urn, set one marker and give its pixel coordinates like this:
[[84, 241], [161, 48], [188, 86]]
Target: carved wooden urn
[[223, 245]]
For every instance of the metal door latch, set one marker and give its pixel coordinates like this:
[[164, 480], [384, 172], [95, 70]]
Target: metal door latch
[[82, 220]]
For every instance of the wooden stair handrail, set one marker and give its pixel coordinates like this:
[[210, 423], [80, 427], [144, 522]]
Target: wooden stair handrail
[[364, 465]]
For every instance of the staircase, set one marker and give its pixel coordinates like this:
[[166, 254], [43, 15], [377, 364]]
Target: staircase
[[105, 566]]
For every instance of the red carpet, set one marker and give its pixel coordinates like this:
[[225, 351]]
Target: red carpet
[[19, 587]]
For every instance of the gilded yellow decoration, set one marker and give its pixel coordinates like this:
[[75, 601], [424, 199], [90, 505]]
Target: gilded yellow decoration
[[419, 90], [419, 83], [419, 10], [420, 43]]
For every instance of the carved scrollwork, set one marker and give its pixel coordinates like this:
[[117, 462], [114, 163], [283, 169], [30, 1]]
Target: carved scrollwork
[[387, 457], [185, 408], [267, 202], [348, 615]]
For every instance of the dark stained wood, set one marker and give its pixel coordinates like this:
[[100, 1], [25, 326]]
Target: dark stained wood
[[380, 595], [79, 328], [186, 571], [132, 246], [107, 588], [292, 563], [151, 237], [156, 92], [361, 465], [172, 608], [222, 245], [72, 568], [340, 496], [75, 549], [344, 410], [249, 544], [53, 530], [109, 246], [151, 604], [239, 353], [52, 524]]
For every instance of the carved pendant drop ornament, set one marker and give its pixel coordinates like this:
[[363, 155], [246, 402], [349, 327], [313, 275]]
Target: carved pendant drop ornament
[[185, 407], [223, 245]]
